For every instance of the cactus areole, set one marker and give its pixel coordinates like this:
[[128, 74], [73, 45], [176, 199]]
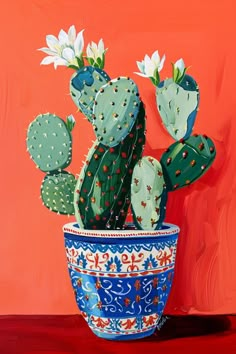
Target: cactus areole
[[116, 178]]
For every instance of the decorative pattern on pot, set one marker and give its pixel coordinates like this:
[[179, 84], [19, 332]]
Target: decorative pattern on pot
[[121, 287]]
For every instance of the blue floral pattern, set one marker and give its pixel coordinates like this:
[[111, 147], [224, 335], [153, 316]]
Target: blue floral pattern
[[114, 264], [81, 261], [150, 262]]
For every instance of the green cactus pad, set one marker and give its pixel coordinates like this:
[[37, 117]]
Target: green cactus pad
[[115, 110], [84, 86], [187, 160], [102, 193], [148, 192], [49, 142], [57, 192], [177, 104]]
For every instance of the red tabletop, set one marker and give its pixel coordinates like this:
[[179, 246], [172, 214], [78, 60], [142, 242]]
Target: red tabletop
[[70, 334]]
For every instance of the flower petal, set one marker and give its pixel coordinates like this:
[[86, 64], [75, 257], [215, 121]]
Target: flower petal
[[141, 74], [63, 38], [60, 61], [52, 42], [68, 54], [162, 63], [140, 65], [71, 35], [48, 60], [48, 51], [156, 58], [94, 45], [101, 46], [149, 66], [89, 52], [180, 65], [79, 44]]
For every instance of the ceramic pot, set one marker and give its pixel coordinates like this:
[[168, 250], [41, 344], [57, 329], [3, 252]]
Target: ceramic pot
[[121, 278]]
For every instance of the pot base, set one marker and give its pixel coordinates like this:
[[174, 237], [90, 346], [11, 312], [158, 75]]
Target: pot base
[[124, 336]]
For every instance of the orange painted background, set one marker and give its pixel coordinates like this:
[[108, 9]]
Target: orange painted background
[[33, 273]]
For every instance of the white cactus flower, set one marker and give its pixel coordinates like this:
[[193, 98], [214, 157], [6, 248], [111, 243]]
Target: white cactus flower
[[179, 70], [96, 54], [66, 50], [151, 66]]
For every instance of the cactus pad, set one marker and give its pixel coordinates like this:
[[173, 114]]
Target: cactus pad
[[148, 194], [49, 142], [178, 105], [187, 160], [57, 192], [84, 86], [102, 194], [115, 110]]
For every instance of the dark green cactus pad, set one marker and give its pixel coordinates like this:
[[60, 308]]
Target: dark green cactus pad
[[115, 110], [148, 194], [49, 142], [187, 160], [57, 192], [102, 193], [84, 85], [177, 104]]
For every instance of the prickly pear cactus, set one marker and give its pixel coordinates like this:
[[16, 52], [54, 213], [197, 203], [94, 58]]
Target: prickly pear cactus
[[102, 194], [187, 160], [177, 104], [148, 194], [84, 85], [57, 192], [49, 142], [115, 110]]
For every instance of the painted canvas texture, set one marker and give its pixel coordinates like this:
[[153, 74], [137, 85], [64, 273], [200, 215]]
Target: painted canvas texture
[[33, 261]]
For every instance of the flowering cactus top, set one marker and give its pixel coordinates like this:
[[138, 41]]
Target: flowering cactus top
[[115, 176]]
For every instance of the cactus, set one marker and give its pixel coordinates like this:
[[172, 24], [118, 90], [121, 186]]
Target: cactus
[[177, 104], [115, 176], [187, 160], [115, 110], [84, 86], [57, 192], [103, 188], [148, 194], [49, 142]]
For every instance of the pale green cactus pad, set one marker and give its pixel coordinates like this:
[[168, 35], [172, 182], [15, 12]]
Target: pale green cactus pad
[[148, 194], [116, 108], [49, 142], [84, 86], [57, 192], [178, 105]]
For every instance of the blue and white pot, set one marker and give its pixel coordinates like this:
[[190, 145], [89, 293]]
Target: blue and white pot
[[121, 278]]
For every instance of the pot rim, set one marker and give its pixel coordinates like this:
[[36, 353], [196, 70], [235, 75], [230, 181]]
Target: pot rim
[[167, 230]]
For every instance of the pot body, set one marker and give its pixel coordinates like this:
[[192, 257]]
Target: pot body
[[121, 278]]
